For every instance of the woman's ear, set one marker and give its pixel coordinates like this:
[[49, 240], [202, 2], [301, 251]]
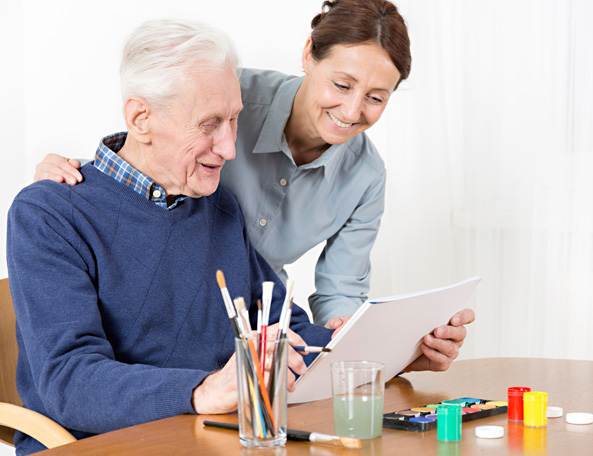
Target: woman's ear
[[307, 55], [137, 114]]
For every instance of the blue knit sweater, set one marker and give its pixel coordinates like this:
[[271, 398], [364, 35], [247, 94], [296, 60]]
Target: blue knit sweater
[[119, 315]]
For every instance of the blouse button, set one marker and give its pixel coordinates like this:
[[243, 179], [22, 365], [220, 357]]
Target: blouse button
[[283, 182], [262, 222]]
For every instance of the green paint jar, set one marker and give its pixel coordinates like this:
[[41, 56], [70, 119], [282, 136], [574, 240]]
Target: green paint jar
[[449, 423]]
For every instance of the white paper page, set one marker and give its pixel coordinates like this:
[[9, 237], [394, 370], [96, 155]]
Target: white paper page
[[388, 330]]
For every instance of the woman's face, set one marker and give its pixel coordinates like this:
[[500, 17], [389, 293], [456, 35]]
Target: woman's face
[[348, 90]]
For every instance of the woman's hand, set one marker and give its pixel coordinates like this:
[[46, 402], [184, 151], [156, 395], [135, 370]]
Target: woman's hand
[[337, 323], [440, 348], [59, 169]]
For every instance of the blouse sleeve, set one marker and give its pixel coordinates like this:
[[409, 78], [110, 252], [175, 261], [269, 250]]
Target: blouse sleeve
[[343, 271]]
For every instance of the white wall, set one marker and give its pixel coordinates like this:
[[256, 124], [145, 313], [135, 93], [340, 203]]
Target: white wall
[[470, 141]]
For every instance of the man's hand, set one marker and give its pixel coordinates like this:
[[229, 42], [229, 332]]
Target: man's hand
[[440, 348], [59, 169], [217, 394]]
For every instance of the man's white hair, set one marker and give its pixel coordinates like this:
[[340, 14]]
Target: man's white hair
[[159, 54]]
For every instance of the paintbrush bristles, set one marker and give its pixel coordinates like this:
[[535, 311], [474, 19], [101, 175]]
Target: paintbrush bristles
[[239, 303], [268, 287], [243, 316], [344, 442], [220, 279], [289, 287], [350, 442]]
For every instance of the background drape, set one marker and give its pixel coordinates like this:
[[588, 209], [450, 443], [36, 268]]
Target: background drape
[[489, 149]]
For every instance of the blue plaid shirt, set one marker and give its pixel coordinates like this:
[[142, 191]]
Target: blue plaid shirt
[[107, 161]]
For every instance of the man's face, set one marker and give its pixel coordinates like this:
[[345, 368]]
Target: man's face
[[195, 135]]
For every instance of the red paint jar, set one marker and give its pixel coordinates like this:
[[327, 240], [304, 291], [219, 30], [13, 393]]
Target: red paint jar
[[515, 396]]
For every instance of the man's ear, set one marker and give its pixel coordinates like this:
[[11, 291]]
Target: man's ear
[[307, 55], [137, 114]]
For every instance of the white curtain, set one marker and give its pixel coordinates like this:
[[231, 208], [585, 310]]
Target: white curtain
[[489, 148]]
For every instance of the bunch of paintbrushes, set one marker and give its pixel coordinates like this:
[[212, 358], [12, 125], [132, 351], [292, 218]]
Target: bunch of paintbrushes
[[254, 353]]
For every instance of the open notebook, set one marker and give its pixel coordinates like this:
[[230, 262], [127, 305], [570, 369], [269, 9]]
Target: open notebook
[[388, 330]]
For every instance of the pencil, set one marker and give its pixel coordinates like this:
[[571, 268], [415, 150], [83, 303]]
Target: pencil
[[302, 436]]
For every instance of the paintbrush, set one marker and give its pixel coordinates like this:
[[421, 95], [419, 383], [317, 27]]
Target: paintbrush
[[228, 304], [267, 289], [258, 371], [282, 323], [302, 436], [311, 349], [259, 317], [243, 317]]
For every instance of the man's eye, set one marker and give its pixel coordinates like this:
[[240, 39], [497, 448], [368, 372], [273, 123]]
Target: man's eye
[[209, 126], [341, 86]]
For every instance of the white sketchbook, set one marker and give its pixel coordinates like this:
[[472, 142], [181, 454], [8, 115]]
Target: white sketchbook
[[388, 330]]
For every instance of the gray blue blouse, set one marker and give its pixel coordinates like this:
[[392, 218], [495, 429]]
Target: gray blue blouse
[[289, 209]]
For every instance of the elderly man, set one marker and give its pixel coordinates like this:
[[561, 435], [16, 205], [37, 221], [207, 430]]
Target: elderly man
[[119, 317]]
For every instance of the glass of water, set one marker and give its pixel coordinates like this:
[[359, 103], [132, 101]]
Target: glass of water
[[357, 390]]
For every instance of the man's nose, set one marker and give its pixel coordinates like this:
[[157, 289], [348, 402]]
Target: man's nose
[[223, 143]]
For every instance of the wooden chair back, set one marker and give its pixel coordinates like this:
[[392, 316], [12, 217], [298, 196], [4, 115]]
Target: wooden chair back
[[12, 414], [8, 355]]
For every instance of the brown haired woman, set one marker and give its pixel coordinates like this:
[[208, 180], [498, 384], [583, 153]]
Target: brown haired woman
[[305, 171]]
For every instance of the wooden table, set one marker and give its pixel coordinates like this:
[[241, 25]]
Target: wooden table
[[569, 384]]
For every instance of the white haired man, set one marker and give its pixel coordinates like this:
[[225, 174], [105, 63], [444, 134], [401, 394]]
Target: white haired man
[[119, 317]]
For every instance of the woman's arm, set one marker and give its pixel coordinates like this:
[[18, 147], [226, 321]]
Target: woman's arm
[[343, 271]]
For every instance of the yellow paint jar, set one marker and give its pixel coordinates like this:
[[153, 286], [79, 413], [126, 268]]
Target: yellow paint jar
[[535, 404]]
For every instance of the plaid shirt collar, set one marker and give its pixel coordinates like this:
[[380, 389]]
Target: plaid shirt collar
[[107, 161]]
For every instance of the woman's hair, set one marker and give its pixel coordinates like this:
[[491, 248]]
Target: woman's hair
[[351, 22], [160, 53]]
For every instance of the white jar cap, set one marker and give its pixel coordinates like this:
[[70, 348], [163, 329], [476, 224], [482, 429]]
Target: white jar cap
[[579, 418], [489, 432], [554, 412]]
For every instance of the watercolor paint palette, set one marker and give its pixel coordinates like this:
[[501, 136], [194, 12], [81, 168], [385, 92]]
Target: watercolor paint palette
[[424, 418]]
